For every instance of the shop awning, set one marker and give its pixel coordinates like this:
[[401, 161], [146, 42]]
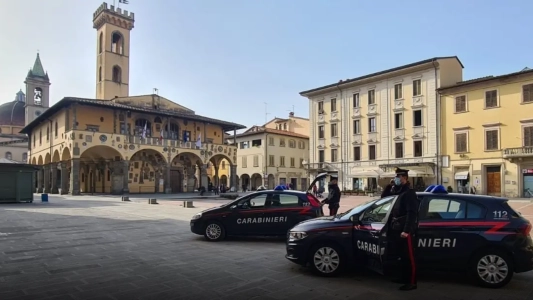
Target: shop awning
[[462, 175], [412, 173], [366, 173]]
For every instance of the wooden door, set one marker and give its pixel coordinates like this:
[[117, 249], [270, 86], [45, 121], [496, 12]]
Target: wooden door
[[176, 181], [494, 184]]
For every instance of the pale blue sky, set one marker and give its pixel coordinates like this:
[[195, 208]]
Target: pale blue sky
[[224, 59]]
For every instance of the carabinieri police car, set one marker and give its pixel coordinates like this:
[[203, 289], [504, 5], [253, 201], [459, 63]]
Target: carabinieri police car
[[263, 213], [480, 235]]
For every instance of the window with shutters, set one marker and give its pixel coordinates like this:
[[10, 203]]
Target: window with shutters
[[491, 139], [282, 142], [333, 155], [356, 126], [371, 97], [398, 91], [528, 136], [398, 150], [372, 125], [491, 99], [527, 92], [417, 148], [293, 162], [333, 104], [271, 161], [320, 107], [460, 104], [417, 118], [244, 161], [271, 141], [461, 142], [333, 130], [398, 120], [356, 100], [292, 144], [356, 153], [282, 161], [372, 152], [256, 161], [321, 133], [417, 87]]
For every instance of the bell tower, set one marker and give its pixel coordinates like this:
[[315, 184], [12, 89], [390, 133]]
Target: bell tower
[[113, 26], [37, 91]]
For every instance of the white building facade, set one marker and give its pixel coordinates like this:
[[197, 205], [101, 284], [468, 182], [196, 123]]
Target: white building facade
[[364, 127]]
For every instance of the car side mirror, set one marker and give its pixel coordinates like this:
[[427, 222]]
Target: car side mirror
[[233, 207], [354, 218]]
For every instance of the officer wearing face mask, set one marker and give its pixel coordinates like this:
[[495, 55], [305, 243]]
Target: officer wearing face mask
[[402, 230]]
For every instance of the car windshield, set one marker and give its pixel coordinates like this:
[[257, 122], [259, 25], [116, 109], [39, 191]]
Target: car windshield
[[362, 207]]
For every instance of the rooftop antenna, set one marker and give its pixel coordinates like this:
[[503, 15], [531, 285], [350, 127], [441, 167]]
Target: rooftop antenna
[[156, 91], [266, 112]]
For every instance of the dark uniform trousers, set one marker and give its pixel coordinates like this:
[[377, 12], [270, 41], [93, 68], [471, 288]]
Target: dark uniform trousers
[[333, 209], [404, 250]]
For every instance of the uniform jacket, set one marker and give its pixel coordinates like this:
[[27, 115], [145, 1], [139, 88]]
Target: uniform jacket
[[334, 196], [405, 210], [388, 191]]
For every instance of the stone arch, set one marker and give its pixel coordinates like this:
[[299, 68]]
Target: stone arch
[[117, 42], [56, 157], [245, 182], [217, 159], [33, 161], [185, 166], [146, 169], [40, 161], [224, 180], [97, 166], [66, 154], [47, 158], [256, 180], [271, 181]]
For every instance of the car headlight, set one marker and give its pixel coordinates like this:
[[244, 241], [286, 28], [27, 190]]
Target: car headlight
[[197, 216], [297, 235]]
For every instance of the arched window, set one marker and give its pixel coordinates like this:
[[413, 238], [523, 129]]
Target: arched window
[[140, 125], [117, 43], [173, 133], [56, 129], [100, 42], [292, 143], [9, 156], [117, 74], [24, 157], [99, 74]]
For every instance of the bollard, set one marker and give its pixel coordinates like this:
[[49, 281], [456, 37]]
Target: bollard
[[44, 197], [125, 198], [188, 204], [152, 201]]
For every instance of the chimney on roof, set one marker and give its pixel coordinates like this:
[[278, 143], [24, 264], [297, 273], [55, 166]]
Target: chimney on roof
[[291, 114]]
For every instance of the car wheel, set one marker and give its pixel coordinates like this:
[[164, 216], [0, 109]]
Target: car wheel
[[327, 259], [492, 268], [214, 232]]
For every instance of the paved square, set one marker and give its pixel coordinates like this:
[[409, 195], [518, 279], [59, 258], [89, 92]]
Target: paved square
[[101, 248]]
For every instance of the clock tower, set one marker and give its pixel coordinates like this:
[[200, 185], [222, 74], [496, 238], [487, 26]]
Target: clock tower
[[37, 91]]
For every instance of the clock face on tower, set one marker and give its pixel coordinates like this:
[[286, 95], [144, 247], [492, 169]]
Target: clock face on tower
[[37, 113], [38, 96]]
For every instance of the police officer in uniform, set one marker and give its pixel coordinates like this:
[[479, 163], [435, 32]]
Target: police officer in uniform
[[403, 227], [388, 190], [334, 195]]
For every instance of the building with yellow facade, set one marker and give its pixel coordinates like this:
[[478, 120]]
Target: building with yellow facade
[[487, 134], [119, 143], [274, 153], [364, 127]]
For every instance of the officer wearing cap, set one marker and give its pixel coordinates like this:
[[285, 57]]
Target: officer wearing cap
[[334, 195], [403, 228]]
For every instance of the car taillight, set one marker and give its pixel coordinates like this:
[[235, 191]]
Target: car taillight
[[526, 229], [314, 202]]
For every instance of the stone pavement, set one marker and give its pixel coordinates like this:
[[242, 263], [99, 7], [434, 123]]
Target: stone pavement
[[87, 248]]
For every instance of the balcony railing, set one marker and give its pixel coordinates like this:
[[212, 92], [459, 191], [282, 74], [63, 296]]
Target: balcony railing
[[99, 137], [518, 152]]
